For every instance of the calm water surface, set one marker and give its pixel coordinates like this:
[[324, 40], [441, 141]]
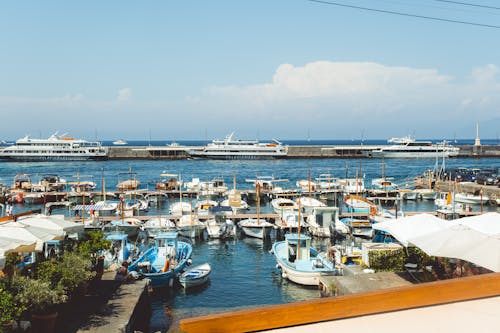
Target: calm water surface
[[244, 273]]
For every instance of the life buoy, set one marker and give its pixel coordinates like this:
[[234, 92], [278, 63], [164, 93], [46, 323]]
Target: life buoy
[[373, 210], [283, 223]]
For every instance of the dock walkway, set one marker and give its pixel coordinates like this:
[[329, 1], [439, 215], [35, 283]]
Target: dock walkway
[[108, 306]]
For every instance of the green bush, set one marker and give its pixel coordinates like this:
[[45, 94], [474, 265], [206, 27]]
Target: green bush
[[67, 272], [387, 260], [37, 296], [9, 310], [93, 244]]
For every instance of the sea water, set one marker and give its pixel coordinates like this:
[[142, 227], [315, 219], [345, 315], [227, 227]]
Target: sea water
[[243, 270]]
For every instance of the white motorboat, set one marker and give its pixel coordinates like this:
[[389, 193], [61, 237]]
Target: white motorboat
[[408, 147], [307, 204], [180, 208], [129, 226], [229, 149], [257, 228], [120, 142], [320, 220], [283, 204], [203, 207], [157, 225], [352, 185], [55, 148], [473, 199], [358, 204], [290, 220], [195, 276], [190, 226], [220, 227]]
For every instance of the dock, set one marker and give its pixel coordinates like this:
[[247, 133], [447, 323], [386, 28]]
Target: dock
[[294, 152], [108, 306]]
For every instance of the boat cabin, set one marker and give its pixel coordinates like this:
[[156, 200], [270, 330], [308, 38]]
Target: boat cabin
[[324, 216], [166, 243], [298, 247], [119, 248], [52, 248]]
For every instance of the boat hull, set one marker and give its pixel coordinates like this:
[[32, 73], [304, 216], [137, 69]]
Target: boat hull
[[309, 276]]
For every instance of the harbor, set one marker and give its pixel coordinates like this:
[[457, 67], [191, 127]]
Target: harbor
[[234, 260]]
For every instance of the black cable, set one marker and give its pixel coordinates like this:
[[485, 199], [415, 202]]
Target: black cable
[[405, 14], [469, 4]]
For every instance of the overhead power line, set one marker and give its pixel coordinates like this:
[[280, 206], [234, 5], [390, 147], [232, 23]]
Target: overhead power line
[[405, 14], [469, 4]]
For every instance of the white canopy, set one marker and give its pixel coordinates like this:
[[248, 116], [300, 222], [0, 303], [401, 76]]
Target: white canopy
[[22, 232], [53, 223], [488, 223], [412, 226], [15, 245], [460, 241]]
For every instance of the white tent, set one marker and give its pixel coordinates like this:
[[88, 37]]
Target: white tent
[[461, 242], [52, 223], [488, 223], [412, 226], [19, 231], [15, 245]]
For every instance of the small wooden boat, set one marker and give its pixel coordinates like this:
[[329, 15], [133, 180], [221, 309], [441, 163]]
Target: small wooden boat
[[195, 276]]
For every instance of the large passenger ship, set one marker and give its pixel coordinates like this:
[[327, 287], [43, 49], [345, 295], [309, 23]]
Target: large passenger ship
[[408, 147], [230, 149], [55, 148]]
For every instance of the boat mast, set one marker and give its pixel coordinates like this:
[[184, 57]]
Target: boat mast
[[298, 232]]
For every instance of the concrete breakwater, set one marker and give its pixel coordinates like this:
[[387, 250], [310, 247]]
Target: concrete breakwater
[[312, 151]]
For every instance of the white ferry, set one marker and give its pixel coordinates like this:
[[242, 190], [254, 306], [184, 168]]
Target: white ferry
[[55, 148], [229, 149], [408, 147]]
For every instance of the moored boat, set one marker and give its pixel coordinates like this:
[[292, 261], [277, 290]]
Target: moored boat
[[257, 228], [358, 204], [300, 262], [163, 262], [195, 276], [55, 148]]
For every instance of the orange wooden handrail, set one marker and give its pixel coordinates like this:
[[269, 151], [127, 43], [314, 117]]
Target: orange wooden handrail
[[15, 216], [331, 308]]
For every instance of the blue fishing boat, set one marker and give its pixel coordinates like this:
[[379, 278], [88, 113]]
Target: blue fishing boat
[[164, 261], [300, 262]]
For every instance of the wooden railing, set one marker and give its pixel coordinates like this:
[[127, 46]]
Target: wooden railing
[[16, 216], [332, 308]]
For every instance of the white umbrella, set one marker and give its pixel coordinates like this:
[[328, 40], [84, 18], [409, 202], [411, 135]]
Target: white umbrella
[[461, 242], [19, 231], [52, 223], [412, 226], [488, 223], [15, 245]]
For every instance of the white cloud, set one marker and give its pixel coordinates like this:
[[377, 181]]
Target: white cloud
[[331, 99], [124, 95]]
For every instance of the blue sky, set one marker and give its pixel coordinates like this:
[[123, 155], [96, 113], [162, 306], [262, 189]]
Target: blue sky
[[263, 68]]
